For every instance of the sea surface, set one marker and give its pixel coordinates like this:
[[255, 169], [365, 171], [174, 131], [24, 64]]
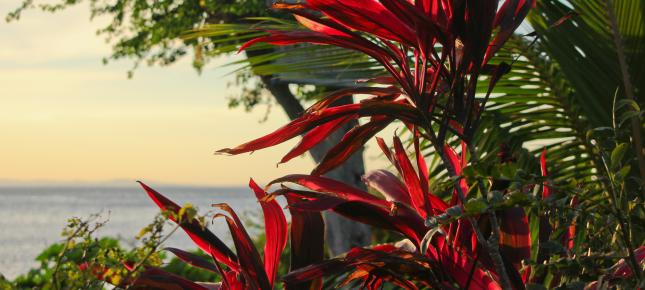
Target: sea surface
[[31, 218]]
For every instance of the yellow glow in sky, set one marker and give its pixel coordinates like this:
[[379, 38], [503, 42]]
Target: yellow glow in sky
[[65, 117]]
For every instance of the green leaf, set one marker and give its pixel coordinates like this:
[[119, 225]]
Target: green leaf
[[534, 229], [624, 117], [617, 154], [495, 197], [475, 206], [627, 102], [623, 172], [427, 238], [454, 211], [516, 198]]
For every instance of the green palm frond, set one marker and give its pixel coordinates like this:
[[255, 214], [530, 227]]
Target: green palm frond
[[301, 64], [534, 109], [586, 53]]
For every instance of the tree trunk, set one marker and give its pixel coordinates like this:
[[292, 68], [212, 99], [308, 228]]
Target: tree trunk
[[341, 234]]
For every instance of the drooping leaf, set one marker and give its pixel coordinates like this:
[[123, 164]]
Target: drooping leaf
[[193, 260], [460, 267], [383, 263], [508, 18], [275, 226], [351, 142], [314, 137], [514, 238], [546, 190], [293, 129], [307, 243], [155, 278], [389, 185], [327, 185], [251, 265], [378, 213], [203, 238], [410, 177], [367, 15]]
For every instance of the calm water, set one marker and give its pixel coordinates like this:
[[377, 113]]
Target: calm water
[[32, 218]]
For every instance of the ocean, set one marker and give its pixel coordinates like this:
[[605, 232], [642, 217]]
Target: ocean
[[31, 218]]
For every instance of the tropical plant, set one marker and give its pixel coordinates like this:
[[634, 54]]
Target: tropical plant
[[481, 218], [459, 92], [558, 94]]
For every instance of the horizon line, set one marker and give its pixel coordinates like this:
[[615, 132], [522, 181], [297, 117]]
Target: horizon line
[[113, 182]]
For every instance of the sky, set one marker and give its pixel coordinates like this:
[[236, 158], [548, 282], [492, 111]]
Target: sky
[[67, 118]]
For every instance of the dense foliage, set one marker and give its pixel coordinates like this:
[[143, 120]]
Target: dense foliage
[[499, 227], [474, 210]]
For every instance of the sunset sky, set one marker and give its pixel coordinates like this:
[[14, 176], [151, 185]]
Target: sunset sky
[[66, 117]]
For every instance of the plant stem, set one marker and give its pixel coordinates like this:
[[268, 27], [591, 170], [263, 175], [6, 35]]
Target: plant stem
[[152, 251], [636, 131], [629, 89], [624, 230], [493, 249], [62, 253]]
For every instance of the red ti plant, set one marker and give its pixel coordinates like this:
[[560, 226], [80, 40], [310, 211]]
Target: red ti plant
[[434, 52], [244, 270]]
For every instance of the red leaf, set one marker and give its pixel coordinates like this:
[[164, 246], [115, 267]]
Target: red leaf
[[411, 178], [194, 260], [376, 213], [458, 167], [275, 226], [563, 19], [386, 150], [310, 121], [327, 185], [307, 243], [570, 234], [479, 16], [414, 17], [389, 185], [314, 137], [319, 27], [315, 271], [508, 18], [355, 43], [622, 270], [336, 95], [293, 129], [249, 259], [373, 266], [351, 142], [460, 268], [546, 190], [395, 109], [365, 15], [452, 157], [155, 278], [403, 221], [202, 237], [514, 236]]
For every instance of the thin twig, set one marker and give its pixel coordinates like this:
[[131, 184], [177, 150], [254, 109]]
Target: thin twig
[[62, 253], [152, 251]]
